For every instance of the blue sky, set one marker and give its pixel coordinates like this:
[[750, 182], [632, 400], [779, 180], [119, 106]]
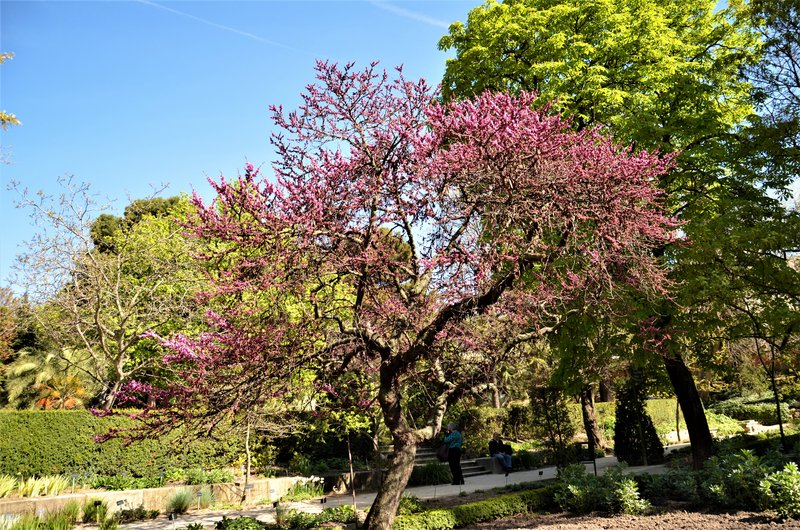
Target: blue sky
[[127, 95]]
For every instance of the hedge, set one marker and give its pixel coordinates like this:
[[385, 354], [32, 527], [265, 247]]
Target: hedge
[[482, 511], [761, 409], [35, 443]]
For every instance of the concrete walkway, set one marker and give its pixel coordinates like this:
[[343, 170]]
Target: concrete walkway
[[266, 512]]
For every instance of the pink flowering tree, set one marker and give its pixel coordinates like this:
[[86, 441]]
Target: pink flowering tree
[[392, 223]]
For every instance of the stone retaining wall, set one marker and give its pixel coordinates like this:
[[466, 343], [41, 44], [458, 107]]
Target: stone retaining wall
[[270, 489]]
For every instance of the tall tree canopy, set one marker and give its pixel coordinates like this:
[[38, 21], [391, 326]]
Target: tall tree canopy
[[391, 222], [98, 293], [663, 74]]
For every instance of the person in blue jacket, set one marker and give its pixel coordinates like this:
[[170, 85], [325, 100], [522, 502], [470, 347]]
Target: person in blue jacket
[[454, 441]]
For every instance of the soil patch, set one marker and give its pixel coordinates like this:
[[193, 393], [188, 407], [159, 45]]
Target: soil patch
[[673, 520], [673, 516]]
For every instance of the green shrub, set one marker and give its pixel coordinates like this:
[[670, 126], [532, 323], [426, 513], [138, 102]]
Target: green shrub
[[296, 520], [528, 459], [678, 484], [518, 423], [194, 526], [472, 513], [50, 442], [125, 482], [197, 476], [430, 475], [760, 408], [135, 514], [724, 425], [219, 476], [635, 438], [239, 523], [94, 510], [478, 424], [579, 492], [732, 480], [612, 492], [781, 491], [551, 420], [180, 501], [409, 504]]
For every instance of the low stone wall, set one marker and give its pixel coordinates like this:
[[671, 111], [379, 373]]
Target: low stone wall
[[270, 489], [490, 464]]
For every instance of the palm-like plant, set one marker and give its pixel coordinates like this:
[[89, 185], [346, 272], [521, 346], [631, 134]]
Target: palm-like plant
[[46, 379]]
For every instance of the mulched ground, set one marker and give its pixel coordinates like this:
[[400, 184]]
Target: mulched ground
[[671, 517], [673, 520]]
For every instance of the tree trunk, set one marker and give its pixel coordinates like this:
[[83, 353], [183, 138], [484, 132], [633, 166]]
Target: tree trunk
[[692, 407], [111, 396], [593, 435], [384, 508], [605, 391], [496, 401]]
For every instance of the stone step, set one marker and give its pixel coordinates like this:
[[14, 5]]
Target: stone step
[[427, 455]]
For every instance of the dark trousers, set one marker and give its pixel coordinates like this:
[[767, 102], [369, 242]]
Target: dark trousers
[[454, 459]]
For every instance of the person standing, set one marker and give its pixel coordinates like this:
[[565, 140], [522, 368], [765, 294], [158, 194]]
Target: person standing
[[500, 452], [454, 441]]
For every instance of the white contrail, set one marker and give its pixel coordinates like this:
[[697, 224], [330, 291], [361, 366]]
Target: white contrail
[[409, 14], [223, 27]]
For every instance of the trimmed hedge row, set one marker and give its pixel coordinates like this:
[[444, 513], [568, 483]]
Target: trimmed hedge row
[[35, 443], [477, 512], [762, 410]]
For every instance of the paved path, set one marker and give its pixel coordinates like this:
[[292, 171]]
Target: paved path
[[266, 512]]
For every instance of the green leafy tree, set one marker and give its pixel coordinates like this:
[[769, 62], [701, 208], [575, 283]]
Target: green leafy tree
[[658, 74], [101, 299], [551, 421], [636, 441]]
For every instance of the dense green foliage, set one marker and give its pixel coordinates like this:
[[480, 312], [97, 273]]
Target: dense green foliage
[[239, 523], [551, 421], [471, 513], [135, 514], [636, 441], [291, 520], [782, 491], [35, 443], [731, 480], [611, 492], [430, 475], [759, 408], [478, 425]]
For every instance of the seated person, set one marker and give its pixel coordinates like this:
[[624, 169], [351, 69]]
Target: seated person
[[501, 452]]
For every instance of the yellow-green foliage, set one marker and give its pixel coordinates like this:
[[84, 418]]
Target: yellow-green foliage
[[7, 485], [661, 411], [476, 512]]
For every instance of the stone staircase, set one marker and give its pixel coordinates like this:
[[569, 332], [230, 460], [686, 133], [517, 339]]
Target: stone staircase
[[427, 455]]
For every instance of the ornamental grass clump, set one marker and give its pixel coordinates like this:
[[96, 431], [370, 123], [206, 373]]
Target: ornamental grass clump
[[180, 501], [94, 511]]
